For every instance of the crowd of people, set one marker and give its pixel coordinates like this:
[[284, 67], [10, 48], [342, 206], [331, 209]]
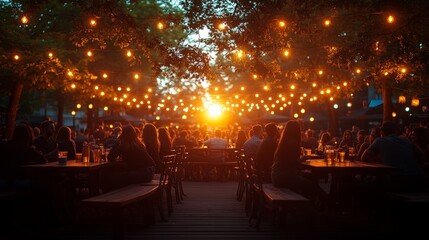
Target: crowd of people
[[276, 150]]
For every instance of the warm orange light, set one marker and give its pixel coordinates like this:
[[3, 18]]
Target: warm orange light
[[160, 25], [50, 54], [89, 53], [16, 57], [402, 99], [390, 19], [104, 75], [286, 53], [221, 26], [327, 22], [282, 24], [24, 20], [92, 22], [214, 110], [129, 54], [240, 54], [415, 102]]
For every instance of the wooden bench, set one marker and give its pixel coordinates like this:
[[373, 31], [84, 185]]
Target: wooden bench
[[283, 201], [281, 196], [116, 206], [280, 200]]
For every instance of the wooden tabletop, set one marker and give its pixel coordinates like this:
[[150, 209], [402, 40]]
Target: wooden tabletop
[[334, 166], [318, 163]]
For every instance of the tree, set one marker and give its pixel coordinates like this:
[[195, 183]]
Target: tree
[[333, 48], [27, 58]]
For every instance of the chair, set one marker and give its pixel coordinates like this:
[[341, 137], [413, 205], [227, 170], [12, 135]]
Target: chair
[[166, 181], [254, 196], [241, 169], [178, 172]]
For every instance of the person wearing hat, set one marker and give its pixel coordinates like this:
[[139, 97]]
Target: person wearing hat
[[400, 153]]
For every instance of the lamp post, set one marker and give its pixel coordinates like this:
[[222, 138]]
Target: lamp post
[[73, 113]]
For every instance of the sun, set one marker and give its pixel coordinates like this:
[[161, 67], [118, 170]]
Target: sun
[[214, 110]]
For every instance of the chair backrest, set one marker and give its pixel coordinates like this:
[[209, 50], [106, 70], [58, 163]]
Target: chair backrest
[[215, 155], [169, 162]]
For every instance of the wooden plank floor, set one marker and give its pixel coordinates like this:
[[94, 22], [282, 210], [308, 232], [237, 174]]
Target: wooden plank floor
[[211, 211]]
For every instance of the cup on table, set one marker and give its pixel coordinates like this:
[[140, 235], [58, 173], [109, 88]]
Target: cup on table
[[78, 157], [341, 156], [307, 152], [331, 155], [62, 157]]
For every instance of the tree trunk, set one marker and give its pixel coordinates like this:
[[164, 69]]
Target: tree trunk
[[60, 108], [12, 109], [386, 91]]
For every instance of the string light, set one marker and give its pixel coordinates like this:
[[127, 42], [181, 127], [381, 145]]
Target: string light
[[24, 20]]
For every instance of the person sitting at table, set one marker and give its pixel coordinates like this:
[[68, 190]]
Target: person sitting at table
[[285, 171], [183, 139], [360, 139], [66, 143], [46, 143], [216, 142], [113, 138], [241, 139], [18, 151], [399, 152], [164, 142], [251, 145], [150, 140], [310, 141], [374, 134], [324, 139], [47, 192], [265, 154], [138, 164]]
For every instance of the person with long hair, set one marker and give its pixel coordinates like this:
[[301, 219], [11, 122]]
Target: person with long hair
[[139, 165], [285, 170], [65, 142], [18, 151], [150, 139], [241, 139], [164, 142]]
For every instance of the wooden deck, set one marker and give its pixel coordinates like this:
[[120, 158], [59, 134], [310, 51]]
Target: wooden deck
[[210, 211]]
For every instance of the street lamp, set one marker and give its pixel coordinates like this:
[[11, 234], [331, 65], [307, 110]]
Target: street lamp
[[73, 113]]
